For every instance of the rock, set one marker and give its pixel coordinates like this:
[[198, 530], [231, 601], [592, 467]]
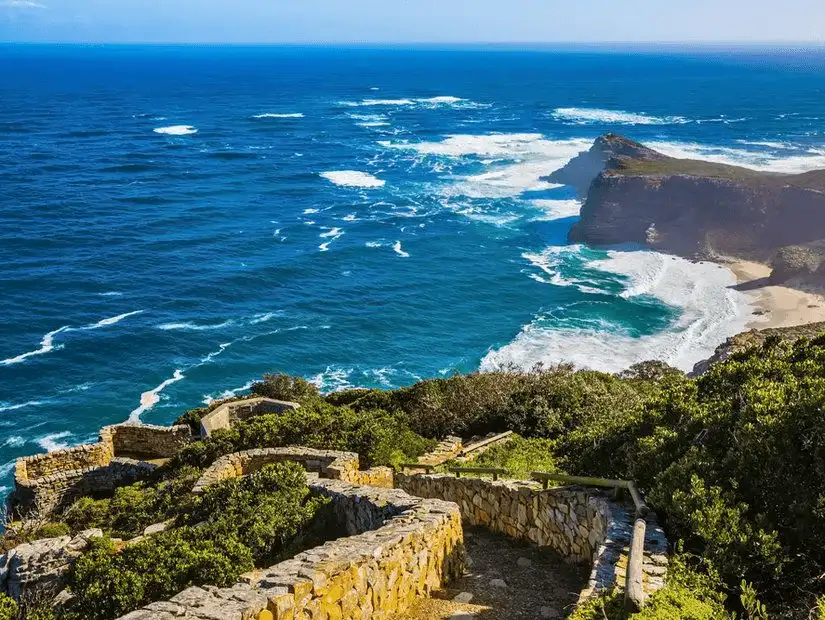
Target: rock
[[42, 563], [463, 597], [462, 615], [549, 612], [498, 583], [157, 528], [524, 562]]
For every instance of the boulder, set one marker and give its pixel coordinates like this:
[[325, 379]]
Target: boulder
[[42, 563]]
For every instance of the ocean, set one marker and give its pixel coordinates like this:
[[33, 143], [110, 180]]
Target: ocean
[[177, 221]]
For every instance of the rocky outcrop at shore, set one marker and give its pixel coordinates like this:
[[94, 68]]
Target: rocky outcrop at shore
[[693, 208]]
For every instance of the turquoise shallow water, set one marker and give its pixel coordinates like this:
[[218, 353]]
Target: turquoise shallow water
[[175, 221]]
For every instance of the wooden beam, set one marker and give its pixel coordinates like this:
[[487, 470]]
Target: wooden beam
[[634, 586]]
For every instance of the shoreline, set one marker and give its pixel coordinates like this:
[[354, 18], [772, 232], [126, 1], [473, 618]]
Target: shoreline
[[774, 305]]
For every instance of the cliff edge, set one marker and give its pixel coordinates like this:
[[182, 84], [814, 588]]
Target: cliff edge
[[694, 208]]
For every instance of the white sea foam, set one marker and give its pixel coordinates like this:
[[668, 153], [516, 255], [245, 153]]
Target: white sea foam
[[352, 178], [557, 209], [375, 102], [552, 260], [111, 320], [396, 247], [520, 161], [374, 244], [443, 99], [209, 357], [331, 232], [350, 217], [176, 130], [758, 159], [47, 342], [194, 327], [710, 311], [263, 318], [46, 345], [10, 407], [766, 143], [111, 294], [280, 115], [210, 398], [333, 379], [306, 212], [7, 468], [15, 441], [589, 116], [51, 443], [150, 399]]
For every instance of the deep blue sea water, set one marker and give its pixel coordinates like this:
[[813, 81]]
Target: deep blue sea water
[[176, 221]]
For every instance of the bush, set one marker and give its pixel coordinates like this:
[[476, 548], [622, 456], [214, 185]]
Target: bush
[[284, 387], [265, 511], [8, 608], [381, 438], [519, 456], [108, 584]]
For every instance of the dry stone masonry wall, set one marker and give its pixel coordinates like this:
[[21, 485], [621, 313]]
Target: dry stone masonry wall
[[582, 525], [400, 547], [50, 481], [327, 463], [224, 416]]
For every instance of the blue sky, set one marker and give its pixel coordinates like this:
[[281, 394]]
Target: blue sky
[[313, 21]]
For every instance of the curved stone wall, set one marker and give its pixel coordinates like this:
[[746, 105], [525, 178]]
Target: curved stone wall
[[400, 547], [326, 463], [224, 416], [582, 524], [53, 480]]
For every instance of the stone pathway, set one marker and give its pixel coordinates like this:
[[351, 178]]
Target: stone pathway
[[505, 579]]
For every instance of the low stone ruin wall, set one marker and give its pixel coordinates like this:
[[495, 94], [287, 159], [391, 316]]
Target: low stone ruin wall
[[582, 525], [146, 440], [51, 481], [326, 463], [224, 416], [400, 547], [57, 491]]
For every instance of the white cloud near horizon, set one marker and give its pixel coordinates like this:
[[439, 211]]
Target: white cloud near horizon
[[23, 4]]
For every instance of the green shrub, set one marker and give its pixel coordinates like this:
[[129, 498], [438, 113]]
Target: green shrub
[[108, 584], [265, 511], [519, 456], [284, 387], [8, 608], [53, 530]]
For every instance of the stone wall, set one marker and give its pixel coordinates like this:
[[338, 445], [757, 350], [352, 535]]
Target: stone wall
[[326, 463], [146, 440], [52, 481], [582, 525], [400, 547], [223, 417]]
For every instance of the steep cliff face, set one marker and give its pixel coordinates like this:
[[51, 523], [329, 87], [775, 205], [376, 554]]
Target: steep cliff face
[[692, 208]]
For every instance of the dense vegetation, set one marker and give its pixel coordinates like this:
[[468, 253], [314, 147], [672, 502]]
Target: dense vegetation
[[235, 525], [733, 462]]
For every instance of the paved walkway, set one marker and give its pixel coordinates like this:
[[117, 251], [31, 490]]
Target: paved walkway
[[506, 579]]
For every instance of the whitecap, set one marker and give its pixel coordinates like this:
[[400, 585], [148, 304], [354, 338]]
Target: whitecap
[[111, 320], [194, 327], [176, 130], [7, 468], [377, 102], [374, 244], [46, 345], [211, 356], [307, 212], [331, 232], [398, 250], [589, 116], [208, 399], [279, 115], [711, 310], [333, 379], [557, 209], [15, 441], [111, 294], [51, 443], [263, 318], [352, 178], [150, 399], [29, 403], [443, 99], [350, 217], [767, 143]]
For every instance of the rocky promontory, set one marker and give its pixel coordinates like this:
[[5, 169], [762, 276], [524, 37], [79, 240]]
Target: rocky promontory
[[696, 209]]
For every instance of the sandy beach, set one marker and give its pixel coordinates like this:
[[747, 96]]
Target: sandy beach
[[775, 306]]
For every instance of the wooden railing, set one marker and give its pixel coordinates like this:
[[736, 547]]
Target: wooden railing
[[495, 472], [634, 587]]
